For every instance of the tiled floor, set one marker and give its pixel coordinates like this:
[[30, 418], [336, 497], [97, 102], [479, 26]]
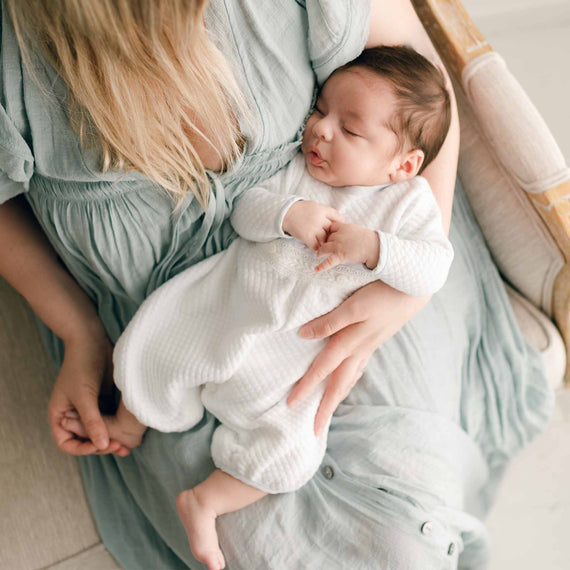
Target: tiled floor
[[530, 523]]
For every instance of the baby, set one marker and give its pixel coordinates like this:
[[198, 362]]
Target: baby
[[223, 334]]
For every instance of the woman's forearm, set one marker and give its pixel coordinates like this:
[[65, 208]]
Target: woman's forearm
[[395, 22], [31, 266]]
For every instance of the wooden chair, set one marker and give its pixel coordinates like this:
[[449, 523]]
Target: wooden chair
[[514, 174]]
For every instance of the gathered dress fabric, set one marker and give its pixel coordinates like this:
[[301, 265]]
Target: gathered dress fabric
[[427, 431]]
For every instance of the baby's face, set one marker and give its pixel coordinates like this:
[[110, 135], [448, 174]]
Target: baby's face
[[347, 139]]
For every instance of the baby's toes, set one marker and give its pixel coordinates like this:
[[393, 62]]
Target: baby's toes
[[74, 426], [71, 414]]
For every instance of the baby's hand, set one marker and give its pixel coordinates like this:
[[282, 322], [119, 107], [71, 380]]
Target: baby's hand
[[349, 243], [310, 222]]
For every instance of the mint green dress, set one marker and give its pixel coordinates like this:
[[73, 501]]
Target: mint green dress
[[416, 450]]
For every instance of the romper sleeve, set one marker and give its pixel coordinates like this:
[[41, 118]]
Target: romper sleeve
[[415, 254], [337, 33], [258, 213], [16, 158]]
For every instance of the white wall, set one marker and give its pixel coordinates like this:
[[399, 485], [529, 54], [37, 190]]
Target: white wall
[[488, 9], [534, 38]]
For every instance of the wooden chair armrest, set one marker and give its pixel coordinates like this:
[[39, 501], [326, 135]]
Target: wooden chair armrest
[[459, 42], [452, 32]]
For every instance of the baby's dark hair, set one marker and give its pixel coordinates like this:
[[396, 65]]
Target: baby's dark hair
[[423, 107]]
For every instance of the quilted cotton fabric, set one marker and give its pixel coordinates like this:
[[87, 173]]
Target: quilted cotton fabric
[[224, 332]]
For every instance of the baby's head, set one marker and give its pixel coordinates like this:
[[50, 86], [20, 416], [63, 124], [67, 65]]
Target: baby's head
[[380, 118]]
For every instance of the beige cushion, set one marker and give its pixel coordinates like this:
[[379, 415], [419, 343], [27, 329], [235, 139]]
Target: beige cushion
[[506, 151], [96, 558], [542, 334]]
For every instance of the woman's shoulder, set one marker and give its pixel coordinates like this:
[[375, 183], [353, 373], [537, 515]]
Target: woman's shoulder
[[337, 33], [277, 48]]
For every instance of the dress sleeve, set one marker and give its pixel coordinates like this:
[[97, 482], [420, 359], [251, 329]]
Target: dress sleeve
[[337, 33], [16, 158]]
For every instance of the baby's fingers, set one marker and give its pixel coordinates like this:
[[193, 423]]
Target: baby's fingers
[[320, 239], [335, 217], [330, 262], [74, 426]]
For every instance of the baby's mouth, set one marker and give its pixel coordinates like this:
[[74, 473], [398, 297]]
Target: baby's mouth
[[314, 157]]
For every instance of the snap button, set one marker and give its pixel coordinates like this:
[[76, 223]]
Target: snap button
[[427, 527], [272, 248], [328, 472], [451, 549]]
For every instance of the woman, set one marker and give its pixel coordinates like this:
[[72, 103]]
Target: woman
[[411, 446]]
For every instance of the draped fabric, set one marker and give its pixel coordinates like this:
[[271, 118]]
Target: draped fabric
[[425, 434]]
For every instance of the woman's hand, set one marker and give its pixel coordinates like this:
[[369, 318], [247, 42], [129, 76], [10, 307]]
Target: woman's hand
[[87, 368], [356, 329]]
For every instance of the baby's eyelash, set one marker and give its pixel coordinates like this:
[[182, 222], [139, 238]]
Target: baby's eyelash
[[349, 132]]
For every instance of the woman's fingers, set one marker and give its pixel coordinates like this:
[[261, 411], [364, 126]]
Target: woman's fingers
[[341, 382], [88, 409], [328, 360], [327, 325], [75, 446], [68, 443]]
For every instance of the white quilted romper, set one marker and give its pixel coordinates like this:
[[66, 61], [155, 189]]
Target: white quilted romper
[[224, 334]]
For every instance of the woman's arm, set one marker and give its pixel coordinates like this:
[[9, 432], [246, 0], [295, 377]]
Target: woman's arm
[[31, 266], [395, 22], [376, 312]]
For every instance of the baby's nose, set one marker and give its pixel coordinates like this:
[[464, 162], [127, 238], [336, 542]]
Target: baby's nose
[[323, 130]]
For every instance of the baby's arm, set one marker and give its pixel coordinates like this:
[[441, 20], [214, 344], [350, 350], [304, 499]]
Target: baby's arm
[[411, 254], [123, 427], [415, 254], [271, 210], [260, 215]]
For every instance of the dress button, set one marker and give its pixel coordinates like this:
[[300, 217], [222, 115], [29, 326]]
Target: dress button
[[328, 472], [272, 248], [451, 549], [427, 527]]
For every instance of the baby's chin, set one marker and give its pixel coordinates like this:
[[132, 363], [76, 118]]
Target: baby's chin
[[323, 174]]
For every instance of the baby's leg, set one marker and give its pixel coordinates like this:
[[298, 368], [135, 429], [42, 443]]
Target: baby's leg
[[198, 508], [123, 427]]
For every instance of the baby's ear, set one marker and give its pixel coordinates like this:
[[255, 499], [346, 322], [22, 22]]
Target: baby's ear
[[410, 164]]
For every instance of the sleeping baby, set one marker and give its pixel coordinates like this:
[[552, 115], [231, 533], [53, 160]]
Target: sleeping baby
[[349, 209]]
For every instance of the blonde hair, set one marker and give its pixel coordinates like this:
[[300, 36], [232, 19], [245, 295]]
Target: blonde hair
[[145, 81]]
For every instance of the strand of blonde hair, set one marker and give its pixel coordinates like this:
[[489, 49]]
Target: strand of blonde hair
[[146, 84]]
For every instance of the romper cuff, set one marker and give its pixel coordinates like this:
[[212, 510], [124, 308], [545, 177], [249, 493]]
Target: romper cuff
[[281, 216], [384, 253]]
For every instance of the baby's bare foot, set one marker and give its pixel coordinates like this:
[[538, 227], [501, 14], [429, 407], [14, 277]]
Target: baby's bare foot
[[199, 522], [127, 433]]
